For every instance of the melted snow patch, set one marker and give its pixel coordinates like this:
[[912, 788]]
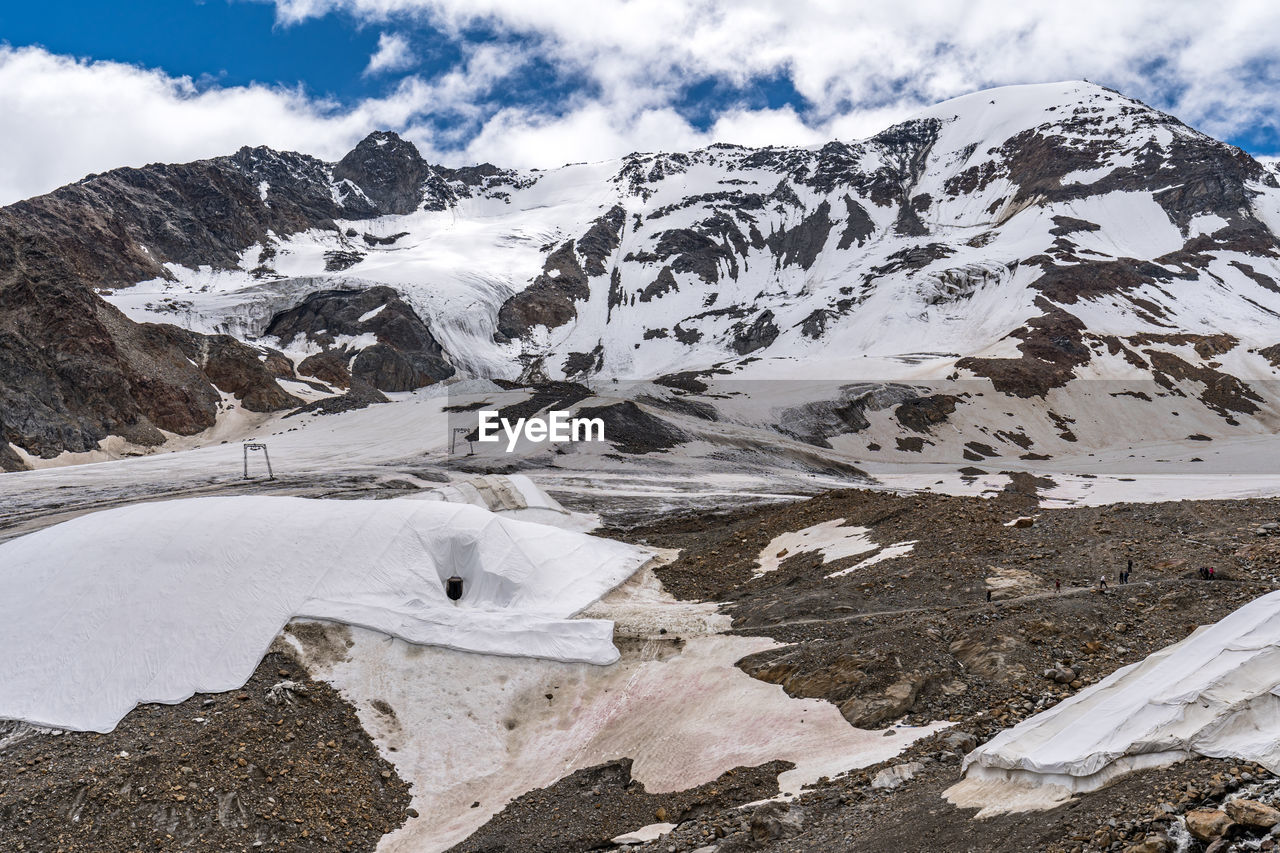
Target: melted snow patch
[[1205, 223], [832, 538], [891, 552], [486, 729], [652, 832], [369, 315]]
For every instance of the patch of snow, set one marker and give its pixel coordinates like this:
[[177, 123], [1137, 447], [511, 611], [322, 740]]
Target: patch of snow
[[1205, 223], [832, 538], [369, 315], [652, 832], [890, 552], [515, 495], [477, 728]]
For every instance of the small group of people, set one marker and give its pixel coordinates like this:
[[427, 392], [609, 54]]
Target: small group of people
[[1207, 573], [1122, 576]]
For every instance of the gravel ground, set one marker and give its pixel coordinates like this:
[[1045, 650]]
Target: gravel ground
[[598, 803], [281, 764], [914, 638]]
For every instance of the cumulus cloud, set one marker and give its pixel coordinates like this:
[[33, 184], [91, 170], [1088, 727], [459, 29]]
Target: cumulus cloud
[[66, 117], [393, 54], [845, 57], [856, 66]]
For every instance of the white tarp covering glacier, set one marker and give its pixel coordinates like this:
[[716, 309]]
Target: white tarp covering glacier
[[1215, 693], [155, 601]]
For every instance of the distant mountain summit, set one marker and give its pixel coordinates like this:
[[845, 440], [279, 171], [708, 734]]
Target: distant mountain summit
[[1029, 235]]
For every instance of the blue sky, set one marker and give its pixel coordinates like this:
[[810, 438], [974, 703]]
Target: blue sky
[[218, 43], [526, 83]]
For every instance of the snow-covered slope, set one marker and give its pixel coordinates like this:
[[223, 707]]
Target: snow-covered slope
[[1027, 237], [942, 235], [155, 601]]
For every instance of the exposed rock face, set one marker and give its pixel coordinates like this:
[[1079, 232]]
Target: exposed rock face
[[392, 176], [633, 430], [405, 356], [74, 370], [237, 369], [758, 335], [549, 300]]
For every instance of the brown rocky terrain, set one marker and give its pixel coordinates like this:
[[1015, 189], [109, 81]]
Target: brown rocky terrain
[[280, 764], [913, 639], [604, 801]]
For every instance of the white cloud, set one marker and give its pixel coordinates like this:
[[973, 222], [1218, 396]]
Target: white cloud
[[860, 66], [65, 117], [393, 54], [847, 56]]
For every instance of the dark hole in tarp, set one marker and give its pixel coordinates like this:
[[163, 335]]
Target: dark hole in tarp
[[453, 588]]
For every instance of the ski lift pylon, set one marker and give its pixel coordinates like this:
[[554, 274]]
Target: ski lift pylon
[[257, 446]]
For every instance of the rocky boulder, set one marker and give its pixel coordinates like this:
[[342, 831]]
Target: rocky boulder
[[1207, 824], [403, 355], [1252, 813]]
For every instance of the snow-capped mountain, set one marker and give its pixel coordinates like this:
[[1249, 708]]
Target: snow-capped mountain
[[1030, 235]]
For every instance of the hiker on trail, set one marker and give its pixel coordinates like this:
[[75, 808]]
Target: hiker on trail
[[1102, 582], [988, 595], [1211, 573], [1204, 573], [1128, 571], [1057, 585]]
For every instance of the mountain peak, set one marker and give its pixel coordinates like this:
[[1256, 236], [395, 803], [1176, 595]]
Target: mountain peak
[[388, 169]]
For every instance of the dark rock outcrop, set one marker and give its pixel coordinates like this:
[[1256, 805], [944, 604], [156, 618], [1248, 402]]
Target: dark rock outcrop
[[74, 370], [631, 429], [235, 368], [762, 332], [392, 176], [405, 356], [548, 301]]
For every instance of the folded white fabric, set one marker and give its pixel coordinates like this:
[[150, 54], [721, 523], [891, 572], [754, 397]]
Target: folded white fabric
[[1212, 694], [153, 602]]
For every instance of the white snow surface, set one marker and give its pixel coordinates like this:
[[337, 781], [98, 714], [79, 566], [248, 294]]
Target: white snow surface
[[1213, 694], [513, 494], [890, 552], [833, 539], [153, 602]]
